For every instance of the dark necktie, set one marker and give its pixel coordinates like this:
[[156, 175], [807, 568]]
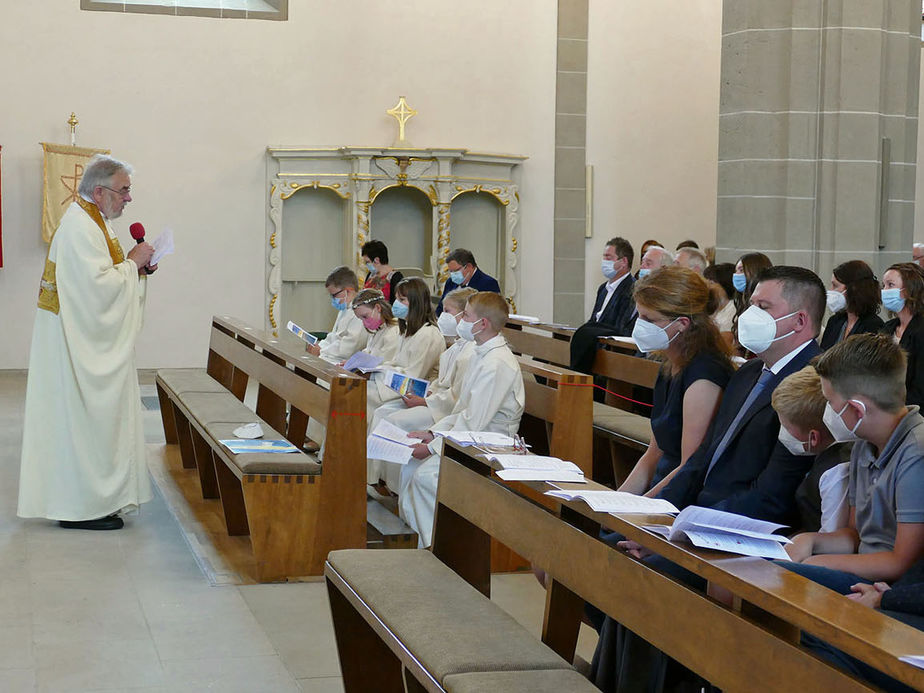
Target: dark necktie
[[765, 376]]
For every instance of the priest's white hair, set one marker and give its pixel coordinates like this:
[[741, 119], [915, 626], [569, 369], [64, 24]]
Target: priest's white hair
[[99, 171]]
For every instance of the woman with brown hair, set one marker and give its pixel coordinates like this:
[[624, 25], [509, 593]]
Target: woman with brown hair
[[675, 307], [903, 295], [854, 301], [419, 348], [744, 279]]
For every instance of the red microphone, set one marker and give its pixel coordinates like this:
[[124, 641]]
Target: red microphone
[[137, 232]]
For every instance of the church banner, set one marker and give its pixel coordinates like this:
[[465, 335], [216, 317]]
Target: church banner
[[62, 172]]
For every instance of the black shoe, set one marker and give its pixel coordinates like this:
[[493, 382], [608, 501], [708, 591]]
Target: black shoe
[[110, 522]]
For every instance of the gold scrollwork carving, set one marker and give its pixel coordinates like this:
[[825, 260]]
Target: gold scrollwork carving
[[336, 187], [478, 188], [272, 304], [442, 230], [513, 304], [431, 193], [273, 240], [513, 245]]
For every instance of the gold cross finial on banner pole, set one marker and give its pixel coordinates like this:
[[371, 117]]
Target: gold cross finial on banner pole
[[72, 121], [402, 113]]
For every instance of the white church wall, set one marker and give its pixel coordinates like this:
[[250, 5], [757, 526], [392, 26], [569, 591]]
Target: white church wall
[[193, 102], [652, 123]]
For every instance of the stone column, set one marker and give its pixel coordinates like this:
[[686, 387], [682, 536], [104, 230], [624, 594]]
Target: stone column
[[570, 157], [818, 131]]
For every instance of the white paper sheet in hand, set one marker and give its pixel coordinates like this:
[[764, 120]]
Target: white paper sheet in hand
[[361, 361], [388, 450], [387, 430], [163, 245]]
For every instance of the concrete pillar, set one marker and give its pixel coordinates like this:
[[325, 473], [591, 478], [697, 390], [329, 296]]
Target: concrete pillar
[[570, 156], [818, 131]]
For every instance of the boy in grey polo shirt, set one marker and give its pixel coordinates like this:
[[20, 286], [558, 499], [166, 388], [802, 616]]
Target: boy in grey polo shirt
[[863, 379]]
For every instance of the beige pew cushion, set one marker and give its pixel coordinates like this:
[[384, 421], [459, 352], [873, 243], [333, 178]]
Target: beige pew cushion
[[443, 621], [183, 380], [267, 462], [519, 682], [623, 424]]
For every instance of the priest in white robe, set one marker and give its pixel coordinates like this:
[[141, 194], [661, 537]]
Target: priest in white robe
[[83, 453], [492, 399]]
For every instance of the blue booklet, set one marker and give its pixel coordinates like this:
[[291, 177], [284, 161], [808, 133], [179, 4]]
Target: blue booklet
[[299, 332], [241, 446], [405, 384]]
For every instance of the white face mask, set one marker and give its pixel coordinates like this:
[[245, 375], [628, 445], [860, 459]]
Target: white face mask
[[836, 424], [650, 337], [836, 301], [447, 324], [609, 268], [757, 329], [466, 330], [793, 444]]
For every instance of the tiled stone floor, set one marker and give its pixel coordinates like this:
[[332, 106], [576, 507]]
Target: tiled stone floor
[[131, 611]]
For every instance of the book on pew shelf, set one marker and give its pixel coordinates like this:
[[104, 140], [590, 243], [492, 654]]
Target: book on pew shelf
[[618, 502], [405, 384], [913, 660], [465, 438], [390, 443], [524, 318], [620, 339], [363, 362], [722, 531], [301, 333], [240, 446], [560, 326], [518, 467]]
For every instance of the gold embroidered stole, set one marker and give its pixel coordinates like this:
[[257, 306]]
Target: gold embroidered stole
[[48, 289]]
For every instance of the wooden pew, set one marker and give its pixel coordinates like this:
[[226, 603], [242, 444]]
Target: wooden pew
[[752, 647], [294, 509], [556, 422], [621, 434]]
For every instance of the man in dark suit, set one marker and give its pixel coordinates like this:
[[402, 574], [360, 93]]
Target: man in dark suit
[[740, 467], [614, 310], [464, 272]]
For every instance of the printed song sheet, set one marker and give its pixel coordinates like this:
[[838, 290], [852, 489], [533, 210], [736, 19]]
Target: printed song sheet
[[618, 502]]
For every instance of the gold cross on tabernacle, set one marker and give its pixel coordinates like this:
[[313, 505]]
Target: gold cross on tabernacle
[[72, 189], [402, 113]]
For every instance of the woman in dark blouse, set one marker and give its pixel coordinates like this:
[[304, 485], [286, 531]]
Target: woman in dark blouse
[[674, 319], [854, 301], [903, 295]]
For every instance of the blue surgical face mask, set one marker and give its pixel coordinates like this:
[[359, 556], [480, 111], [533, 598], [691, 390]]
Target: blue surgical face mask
[[892, 299], [371, 267], [740, 282], [457, 277], [399, 309], [644, 272], [338, 303], [609, 268]]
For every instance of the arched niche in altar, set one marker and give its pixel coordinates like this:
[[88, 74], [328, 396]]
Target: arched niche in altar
[[315, 230], [402, 218], [421, 202], [477, 222]]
